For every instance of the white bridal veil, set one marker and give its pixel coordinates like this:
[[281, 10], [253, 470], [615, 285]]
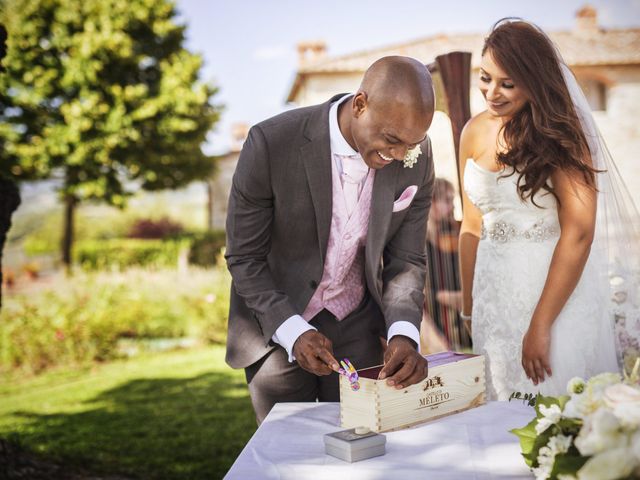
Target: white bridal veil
[[616, 247]]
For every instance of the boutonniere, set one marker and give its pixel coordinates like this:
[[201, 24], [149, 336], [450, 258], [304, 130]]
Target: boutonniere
[[411, 157]]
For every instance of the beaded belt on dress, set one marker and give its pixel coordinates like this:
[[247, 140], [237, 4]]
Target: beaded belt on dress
[[505, 232]]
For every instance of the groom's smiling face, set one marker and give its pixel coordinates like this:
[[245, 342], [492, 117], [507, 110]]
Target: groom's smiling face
[[383, 131]]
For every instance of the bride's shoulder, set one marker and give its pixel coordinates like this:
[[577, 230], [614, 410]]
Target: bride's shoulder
[[475, 133], [478, 124]]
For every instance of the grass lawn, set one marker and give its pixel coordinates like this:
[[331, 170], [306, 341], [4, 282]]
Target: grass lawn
[[177, 415]]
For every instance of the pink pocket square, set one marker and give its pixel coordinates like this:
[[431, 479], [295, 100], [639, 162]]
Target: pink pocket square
[[405, 199]]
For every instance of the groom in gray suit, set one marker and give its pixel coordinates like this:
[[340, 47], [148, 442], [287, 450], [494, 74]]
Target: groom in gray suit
[[325, 239]]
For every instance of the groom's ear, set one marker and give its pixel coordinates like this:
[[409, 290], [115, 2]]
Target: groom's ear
[[359, 104]]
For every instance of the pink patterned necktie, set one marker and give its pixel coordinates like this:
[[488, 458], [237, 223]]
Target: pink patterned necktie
[[354, 170]]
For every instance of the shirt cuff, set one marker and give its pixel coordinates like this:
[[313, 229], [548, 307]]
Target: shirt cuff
[[287, 333], [407, 329]]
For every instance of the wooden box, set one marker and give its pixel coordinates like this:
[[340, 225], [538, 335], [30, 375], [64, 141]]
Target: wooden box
[[456, 382]]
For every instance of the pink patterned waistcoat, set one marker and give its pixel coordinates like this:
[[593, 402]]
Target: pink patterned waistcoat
[[343, 283]]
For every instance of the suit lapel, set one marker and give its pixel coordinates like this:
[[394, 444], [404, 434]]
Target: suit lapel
[[316, 157], [380, 217]]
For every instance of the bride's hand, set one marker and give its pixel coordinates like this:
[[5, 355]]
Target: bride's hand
[[535, 353]]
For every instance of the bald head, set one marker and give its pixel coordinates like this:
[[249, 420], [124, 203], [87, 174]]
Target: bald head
[[399, 80], [391, 112]]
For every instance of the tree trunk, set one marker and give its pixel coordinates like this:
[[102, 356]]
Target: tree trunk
[[70, 203], [9, 202], [210, 204]]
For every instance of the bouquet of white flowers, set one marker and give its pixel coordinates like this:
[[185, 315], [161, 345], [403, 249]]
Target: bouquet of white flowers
[[592, 433]]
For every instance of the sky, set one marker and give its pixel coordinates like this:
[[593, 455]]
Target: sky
[[249, 46]]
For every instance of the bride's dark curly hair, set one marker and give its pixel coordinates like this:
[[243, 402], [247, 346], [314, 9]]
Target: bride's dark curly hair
[[545, 135]]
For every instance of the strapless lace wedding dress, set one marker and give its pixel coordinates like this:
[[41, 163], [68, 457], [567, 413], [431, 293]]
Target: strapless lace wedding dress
[[514, 253]]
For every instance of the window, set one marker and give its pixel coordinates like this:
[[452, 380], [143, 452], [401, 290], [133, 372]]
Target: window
[[596, 93]]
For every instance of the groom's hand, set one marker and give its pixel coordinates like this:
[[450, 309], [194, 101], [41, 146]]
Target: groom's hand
[[403, 365], [314, 353]]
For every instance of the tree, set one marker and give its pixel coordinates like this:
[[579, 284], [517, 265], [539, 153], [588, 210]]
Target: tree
[[9, 192], [103, 94]]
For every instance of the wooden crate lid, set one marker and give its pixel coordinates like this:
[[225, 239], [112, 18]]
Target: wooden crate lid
[[435, 359]]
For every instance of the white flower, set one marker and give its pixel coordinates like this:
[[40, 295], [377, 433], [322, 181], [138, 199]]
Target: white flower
[[601, 431], [560, 443], [624, 401], [573, 408], [412, 157], [581, 405], [547, 455], [575, 385], [550, 416], [603, 380], [609, 465], [542, 473], [545, 463], [566, 476]]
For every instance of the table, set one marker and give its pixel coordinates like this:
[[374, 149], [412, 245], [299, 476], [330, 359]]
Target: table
[[475, 444]]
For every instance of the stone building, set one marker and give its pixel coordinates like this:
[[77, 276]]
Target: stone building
[[219, 186], [605, 61]]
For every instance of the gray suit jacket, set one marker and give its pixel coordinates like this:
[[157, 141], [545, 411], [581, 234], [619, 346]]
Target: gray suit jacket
[[278, 224]]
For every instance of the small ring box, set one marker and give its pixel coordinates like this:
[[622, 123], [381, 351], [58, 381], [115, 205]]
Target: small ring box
[[354, 444]]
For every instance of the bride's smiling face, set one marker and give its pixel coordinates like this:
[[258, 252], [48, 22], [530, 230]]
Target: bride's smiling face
[[504, 98]]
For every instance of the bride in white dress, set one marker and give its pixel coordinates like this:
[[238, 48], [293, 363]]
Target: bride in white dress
[[530, 278]]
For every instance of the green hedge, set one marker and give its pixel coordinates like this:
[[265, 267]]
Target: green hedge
[[205, 247], [129, 252], [202, 249]]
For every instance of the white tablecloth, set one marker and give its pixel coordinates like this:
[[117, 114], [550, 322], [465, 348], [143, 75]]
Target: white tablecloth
[[475, 444]]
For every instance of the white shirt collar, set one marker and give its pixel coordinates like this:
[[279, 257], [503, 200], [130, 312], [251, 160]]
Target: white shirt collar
[[339, 145]]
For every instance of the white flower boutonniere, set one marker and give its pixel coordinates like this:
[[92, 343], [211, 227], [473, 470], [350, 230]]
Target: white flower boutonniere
[[411, 157]]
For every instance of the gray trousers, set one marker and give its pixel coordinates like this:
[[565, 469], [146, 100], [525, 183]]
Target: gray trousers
[[273, 379]]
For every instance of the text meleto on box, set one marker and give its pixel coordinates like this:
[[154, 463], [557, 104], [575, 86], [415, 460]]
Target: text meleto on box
[[456, 382]]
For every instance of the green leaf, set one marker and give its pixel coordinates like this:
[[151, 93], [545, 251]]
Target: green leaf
[[527, 436], [570, 426], [568, 463]]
